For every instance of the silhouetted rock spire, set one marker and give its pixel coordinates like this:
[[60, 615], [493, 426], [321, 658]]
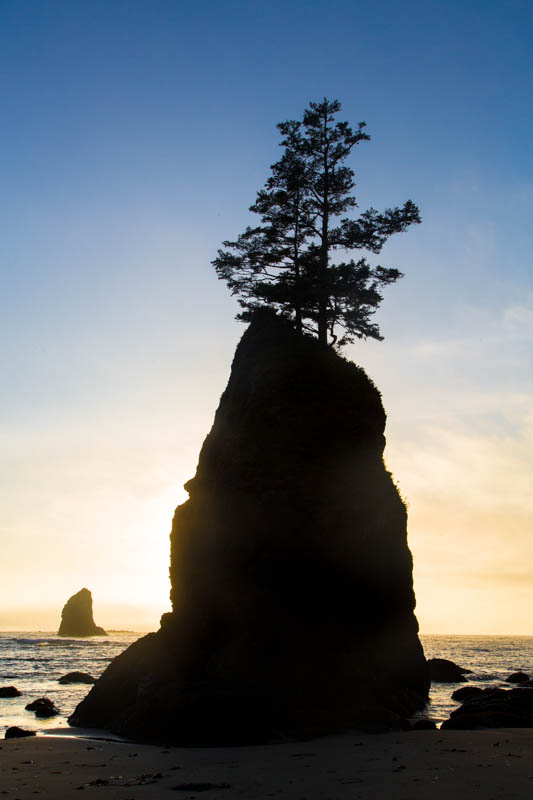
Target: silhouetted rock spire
[[77, 616], [291, 576]]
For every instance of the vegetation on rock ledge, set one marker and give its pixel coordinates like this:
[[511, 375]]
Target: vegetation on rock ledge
[[285, 263]]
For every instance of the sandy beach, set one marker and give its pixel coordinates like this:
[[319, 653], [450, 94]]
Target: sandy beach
[[494, 765]]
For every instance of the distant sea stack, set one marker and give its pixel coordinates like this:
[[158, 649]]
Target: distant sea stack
[[77, 616], [292, 595]]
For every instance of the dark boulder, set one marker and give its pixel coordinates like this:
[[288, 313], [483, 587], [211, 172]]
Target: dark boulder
[[17, 733], [494, 708], [43, 707], [77, 677], [466, 693], [441, 670], [9, 691], [292, 593], [77, 616], [517, 677]]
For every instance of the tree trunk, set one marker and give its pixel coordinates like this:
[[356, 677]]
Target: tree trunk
[[298, 319], [298, 322], [323, 271], [323, 294], [324, 246]]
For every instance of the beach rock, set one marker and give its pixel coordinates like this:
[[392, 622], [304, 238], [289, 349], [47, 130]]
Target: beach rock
[[77, 677], [517, 677], [43, 707], [17, 733], [466, 693], [292, 595], [441, 670], [494, 708], [77, 616], [9, 691]]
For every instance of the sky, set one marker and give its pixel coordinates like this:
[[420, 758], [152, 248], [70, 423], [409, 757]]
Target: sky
[[135, 135]]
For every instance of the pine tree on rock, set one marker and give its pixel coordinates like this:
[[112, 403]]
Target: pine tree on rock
[[286, 262]]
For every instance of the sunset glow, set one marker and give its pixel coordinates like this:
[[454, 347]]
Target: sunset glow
[[135, 139]]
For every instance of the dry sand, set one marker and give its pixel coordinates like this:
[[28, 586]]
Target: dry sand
[[493, 765]]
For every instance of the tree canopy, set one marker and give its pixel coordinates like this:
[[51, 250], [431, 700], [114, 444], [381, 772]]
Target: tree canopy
[[286, 262]]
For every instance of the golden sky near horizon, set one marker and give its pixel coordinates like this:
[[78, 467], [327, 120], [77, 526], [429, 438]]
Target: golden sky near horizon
[[135, 138], [95, 509]]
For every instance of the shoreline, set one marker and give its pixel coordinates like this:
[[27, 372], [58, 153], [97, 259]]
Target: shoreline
[[490, 659], [408, 765]]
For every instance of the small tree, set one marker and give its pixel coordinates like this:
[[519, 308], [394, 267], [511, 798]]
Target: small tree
[[286, 262]]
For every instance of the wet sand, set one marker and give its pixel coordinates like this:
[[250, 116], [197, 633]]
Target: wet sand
[[493, 765]]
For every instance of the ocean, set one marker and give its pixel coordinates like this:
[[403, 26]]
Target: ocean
[[33, 662], [491, 659]]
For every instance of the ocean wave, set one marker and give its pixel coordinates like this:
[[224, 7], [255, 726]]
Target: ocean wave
[[69, 643], [26, 659], [7, 643]]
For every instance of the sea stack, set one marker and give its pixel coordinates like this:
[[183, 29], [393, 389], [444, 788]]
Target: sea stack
[[77, 616], [292, 595]]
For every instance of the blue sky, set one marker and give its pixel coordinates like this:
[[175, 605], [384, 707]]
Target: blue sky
[[134, 137]]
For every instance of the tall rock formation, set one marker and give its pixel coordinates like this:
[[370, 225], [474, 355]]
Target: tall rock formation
[[77, 616], [291, 576]]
